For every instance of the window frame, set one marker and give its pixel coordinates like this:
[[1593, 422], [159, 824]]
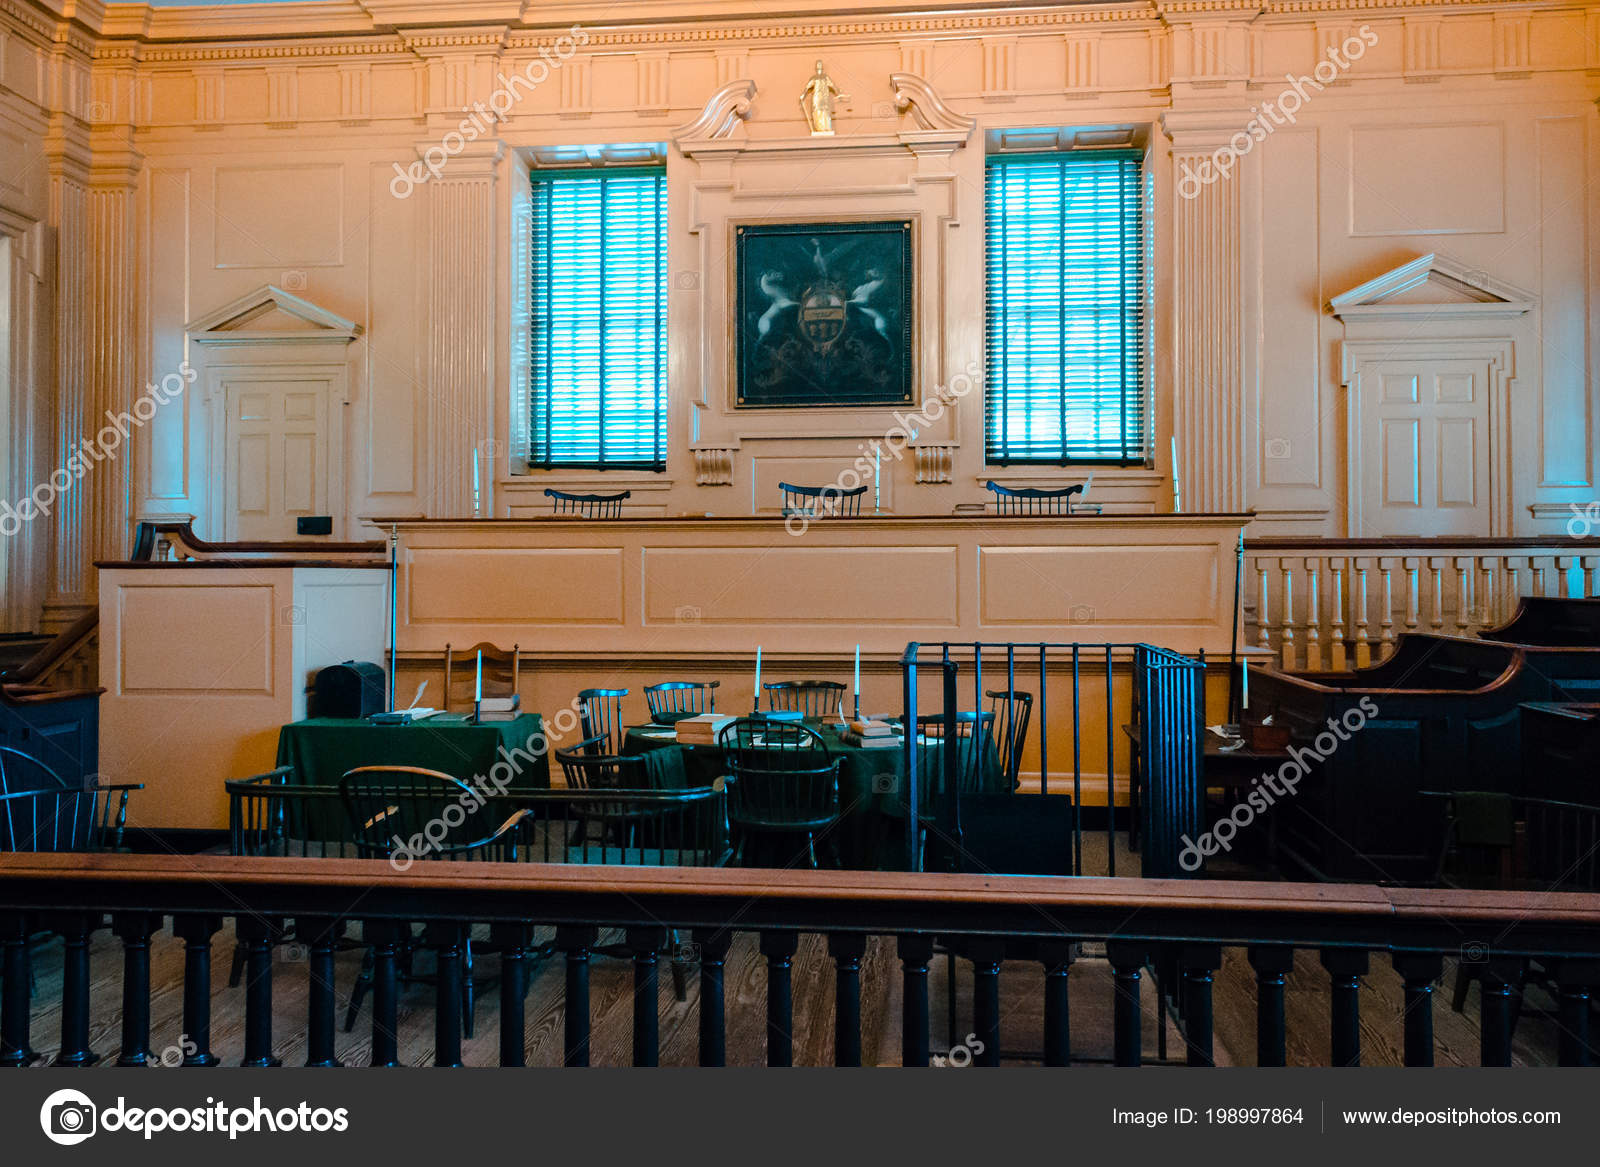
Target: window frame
[[1139, 346], [548, 176]]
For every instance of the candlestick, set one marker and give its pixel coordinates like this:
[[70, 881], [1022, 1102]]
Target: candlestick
[[1177, 489], [858, 681]]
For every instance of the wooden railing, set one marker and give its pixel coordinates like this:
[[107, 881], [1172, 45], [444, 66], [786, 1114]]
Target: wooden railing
[[1180, 925], [69, 660], [1340, 603], [160, 542]]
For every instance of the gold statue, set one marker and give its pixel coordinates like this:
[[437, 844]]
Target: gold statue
[[816, 102]]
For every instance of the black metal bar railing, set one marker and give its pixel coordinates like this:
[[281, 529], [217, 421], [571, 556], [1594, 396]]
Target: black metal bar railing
[[1153, 697], [996, 919]]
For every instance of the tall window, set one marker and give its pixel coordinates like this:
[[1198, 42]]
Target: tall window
[[1066, 309], [598, 390]]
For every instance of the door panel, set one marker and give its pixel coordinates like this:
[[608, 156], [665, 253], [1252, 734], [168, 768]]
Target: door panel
[[1424, 437], [278, 456]]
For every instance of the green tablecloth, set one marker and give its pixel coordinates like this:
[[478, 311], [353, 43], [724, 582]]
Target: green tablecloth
[[322, 749], [872, 787]]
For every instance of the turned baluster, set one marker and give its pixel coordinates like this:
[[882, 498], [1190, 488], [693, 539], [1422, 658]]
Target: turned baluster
[[1564, 576], [1263, 621], [1589, 564], [1313, 614], [1436, 595], [1486, 591], [1513, 589], [1286, 625], [1464, 612], [1536, 569], [1336, 646], [1363, 629], [1413, 570]]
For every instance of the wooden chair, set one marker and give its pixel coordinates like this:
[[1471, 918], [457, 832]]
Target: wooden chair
[[586, 769], [1011, 709], [1031, 500], [587, 506], [811, 698], [600, 718], [671, 700], [42, 811], [387, 809], [783, 782], [502, 673], [826, 502]]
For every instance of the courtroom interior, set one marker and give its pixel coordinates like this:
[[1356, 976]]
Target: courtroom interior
[[708, 533]]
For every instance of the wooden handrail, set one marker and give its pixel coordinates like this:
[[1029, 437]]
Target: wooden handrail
[[1399, 543], [183, 533], [63, 644], [1218, 911]]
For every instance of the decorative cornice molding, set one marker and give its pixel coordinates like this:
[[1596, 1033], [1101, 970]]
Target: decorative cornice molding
[[1472, 293], [225, 325], [722, 114], [916, 95]]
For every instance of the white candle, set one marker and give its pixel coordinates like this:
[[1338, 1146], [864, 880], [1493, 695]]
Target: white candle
[[477, 695], [477, 507], [877, 478], [1246, 666], [758, 675], [858, 673], [1177, 490]]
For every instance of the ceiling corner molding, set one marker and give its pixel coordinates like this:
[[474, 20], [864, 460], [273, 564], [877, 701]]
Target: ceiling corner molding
[[230, 324], [916, 95], [1457, 292], [727, 109]]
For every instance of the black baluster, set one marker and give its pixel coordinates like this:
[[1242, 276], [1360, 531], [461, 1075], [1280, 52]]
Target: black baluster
[[321, 938], [1272, 964], [645, 943], [258, 935], [512, 940], [1345, 967], [1200, 962], [1575, 978], [1127, 962], [196, 933], [1057, 956], [714, 944], [448, 938], [1418, 971], [134, 929], [847, 949], [15, 1003], [385, 936], [75, 929], [576, 942], [915, 953], [779, 949], [1500, 980], [986, 956]]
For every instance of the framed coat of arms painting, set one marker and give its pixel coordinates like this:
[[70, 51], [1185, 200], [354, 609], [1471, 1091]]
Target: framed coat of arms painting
[[822, 313]]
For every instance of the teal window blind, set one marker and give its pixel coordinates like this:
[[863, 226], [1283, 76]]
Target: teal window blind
[[598, 389], [1065, 329]]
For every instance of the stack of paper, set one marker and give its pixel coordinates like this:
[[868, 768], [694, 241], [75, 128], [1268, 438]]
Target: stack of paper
[[702, 729]]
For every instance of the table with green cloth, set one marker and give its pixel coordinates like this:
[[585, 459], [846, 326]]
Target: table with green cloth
[[871, 830], [322, 749]]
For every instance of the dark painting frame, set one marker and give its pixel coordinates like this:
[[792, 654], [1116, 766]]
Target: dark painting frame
[[823, 313]]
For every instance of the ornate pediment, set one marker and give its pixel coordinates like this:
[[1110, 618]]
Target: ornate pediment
[[1433, 286], [270, 314]]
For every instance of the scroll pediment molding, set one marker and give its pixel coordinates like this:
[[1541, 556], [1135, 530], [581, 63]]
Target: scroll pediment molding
[[269, 314], [1433, 286], [727, 109], [912, 93]]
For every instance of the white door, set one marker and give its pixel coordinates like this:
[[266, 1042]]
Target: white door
[[1422, 427], [278, 452]]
